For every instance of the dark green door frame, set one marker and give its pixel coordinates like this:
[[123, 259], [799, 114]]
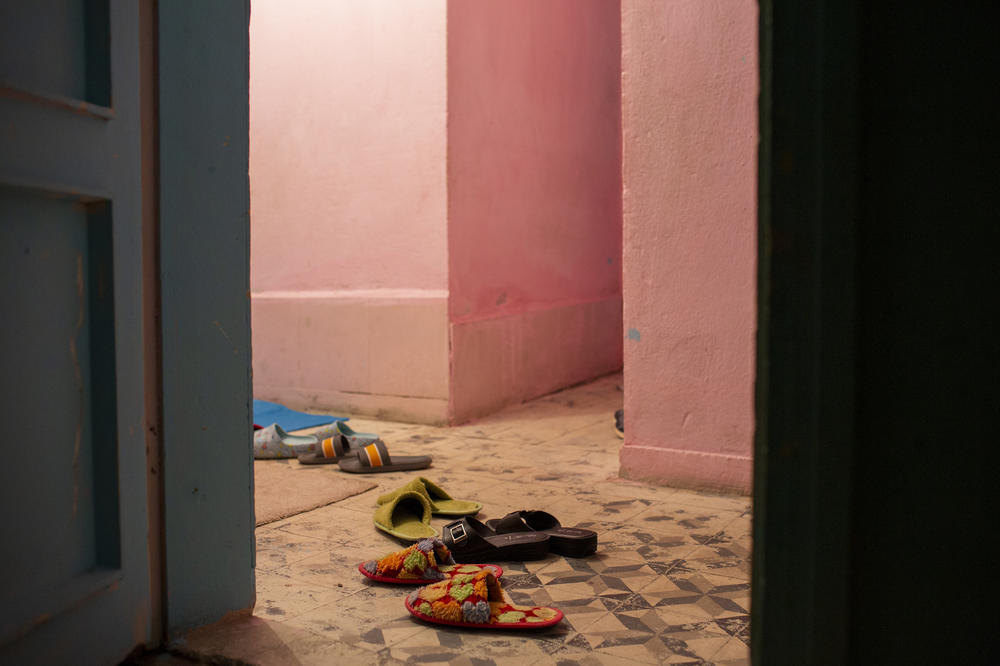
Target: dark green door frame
[[877, 405], [805, 383]]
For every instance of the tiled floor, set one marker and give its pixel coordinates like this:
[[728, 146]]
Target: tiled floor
[[670, 583]]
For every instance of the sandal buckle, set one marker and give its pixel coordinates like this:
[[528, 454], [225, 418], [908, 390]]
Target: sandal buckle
[[458, 534]]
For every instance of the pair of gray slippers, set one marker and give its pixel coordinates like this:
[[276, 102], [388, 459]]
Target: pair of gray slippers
[[338, 443]]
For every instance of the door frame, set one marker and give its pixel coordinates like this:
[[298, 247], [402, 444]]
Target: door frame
[[201, 314], [807, 210]]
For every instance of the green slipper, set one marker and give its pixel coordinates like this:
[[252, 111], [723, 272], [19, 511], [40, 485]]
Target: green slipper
[[407, 516], [441, 502]]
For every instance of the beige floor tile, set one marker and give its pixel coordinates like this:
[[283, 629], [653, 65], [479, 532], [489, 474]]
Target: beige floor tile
[[281, 597], [613, 486], [255, 640], [278, 548], [705, 501], [572, 509], [334, 570], [449, 645], [672, 518], [334, 523], [537, 432], [575, 657]]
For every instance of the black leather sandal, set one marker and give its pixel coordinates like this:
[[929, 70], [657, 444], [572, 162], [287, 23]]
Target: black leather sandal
[[569, 541], [471, 541]]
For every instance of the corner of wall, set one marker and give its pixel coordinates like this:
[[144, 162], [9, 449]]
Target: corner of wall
[[500, 361]]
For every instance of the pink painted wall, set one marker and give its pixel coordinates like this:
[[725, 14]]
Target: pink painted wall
[[689, 119], [534, 200], [347, 151], [534, 150], [349, 267]]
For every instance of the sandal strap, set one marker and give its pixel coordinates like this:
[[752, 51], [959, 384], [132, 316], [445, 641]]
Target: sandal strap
[[539, 520], [525, 520], [331, 447], [465, 534], [374, 455], [510, 523]]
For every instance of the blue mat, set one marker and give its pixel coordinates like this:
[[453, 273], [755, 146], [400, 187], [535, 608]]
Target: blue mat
[[265, 413]]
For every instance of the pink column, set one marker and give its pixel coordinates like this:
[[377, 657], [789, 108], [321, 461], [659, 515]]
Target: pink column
[[689, 122], [534, 198]]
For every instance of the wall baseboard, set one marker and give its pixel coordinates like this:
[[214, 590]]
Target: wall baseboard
[[381, 355], [506, 360], [687, 468]]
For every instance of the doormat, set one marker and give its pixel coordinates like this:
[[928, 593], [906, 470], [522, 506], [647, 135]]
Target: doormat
[[283, 488]]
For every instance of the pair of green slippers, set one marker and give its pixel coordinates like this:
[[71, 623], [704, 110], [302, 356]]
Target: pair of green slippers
[[406, 512]]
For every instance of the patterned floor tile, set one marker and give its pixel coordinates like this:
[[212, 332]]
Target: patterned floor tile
[[722, 556], [578, 580], [742, 526], [645, 636], [660, 549], [371, 619], [570, 655], [669, 583], [699, 594], [736, 652]]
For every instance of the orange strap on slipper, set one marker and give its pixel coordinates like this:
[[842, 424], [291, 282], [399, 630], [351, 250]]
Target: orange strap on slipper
[[375, 458]]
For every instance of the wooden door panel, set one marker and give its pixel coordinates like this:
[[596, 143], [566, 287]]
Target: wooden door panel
[[56, 293], [75, 579], [58, 48]]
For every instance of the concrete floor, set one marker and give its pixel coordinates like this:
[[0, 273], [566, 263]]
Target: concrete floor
[[669, 584]]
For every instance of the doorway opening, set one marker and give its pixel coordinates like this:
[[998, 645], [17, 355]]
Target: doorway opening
[[438, 251]]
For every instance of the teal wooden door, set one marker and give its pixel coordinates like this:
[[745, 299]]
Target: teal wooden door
[[75, 574]]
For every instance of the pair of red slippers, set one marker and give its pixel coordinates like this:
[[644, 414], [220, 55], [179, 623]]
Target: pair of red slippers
[[462, 595]]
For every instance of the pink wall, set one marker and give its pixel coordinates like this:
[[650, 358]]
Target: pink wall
[[347, 152], [689, 118], [534, 150], [534, 197], [349, 267]]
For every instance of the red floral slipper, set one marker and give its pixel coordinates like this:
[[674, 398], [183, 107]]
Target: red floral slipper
[[427, 561], [477, 601]]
